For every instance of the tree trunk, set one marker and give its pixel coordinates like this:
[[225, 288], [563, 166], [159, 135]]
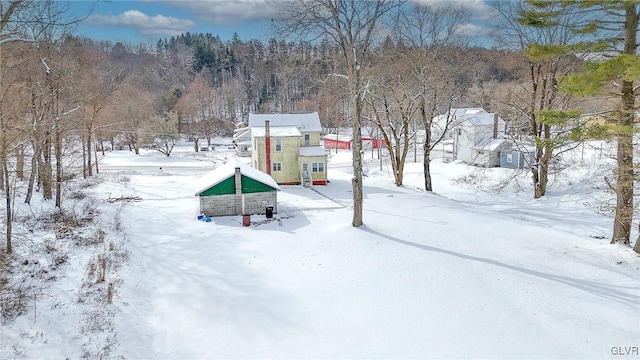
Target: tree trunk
[[426, 164], [84, 153], [624, 174], [45, 171], [89, 149], [356, 182], [7, 192], [46, 178], [20, 162], [32, 174], [426, 161], [5, 178], [58, 155]]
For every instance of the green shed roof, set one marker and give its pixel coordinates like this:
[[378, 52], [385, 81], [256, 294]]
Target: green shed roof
[[222, 180]]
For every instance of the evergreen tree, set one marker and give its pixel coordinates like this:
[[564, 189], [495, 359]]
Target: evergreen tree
[[612, 27]]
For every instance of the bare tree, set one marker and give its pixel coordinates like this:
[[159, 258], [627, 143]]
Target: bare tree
[[394, 110], [352, 26], [25, 21], [545, 70], [134, 108], [434, 32], [162, 131]]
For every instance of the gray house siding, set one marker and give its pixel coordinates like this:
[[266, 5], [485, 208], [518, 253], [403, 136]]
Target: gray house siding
[[516, 159]]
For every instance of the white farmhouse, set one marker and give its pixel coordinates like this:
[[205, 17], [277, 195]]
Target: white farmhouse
[[477, 137]]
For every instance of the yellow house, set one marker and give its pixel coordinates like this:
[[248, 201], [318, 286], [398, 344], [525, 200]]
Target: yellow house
[[294, 154]]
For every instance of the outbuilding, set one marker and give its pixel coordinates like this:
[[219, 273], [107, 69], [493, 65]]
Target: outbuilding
[[236, 189], [518, 157], [334, 141]]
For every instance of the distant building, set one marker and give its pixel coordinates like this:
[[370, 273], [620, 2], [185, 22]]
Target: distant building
[[334, 141], [518, 157], [477, 136], [242, 140]]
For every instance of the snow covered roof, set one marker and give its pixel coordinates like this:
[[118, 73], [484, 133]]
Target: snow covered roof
[[279, 131], [492, 144], [312, 151], [304, 122], [345, 138], [483, 119], [223, 172], [458, 116], [467, 111], [243, 133]]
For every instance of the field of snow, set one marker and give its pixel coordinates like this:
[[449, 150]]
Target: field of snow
[[477, 269]]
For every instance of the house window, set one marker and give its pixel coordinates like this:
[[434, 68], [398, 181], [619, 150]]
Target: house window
[[276, 167], [306, 140], [509, 158], [278, 144], [317, 167]]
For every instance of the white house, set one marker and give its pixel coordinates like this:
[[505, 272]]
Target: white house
[[477, 136], [242, 140]]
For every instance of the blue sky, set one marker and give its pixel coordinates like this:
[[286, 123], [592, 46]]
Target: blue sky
[[137, 21], [148, 20]]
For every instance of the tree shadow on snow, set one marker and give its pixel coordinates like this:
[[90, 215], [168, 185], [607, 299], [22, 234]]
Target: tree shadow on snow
[[599, 289]]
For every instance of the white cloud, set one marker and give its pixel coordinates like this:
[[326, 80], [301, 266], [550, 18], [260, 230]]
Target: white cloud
[[479, 9], [470, 30], [226, 12], [144, 24]]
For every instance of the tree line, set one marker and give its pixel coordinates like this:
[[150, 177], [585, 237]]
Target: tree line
[[390, 65]]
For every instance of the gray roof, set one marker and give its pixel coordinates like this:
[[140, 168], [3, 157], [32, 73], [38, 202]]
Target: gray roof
[[278, 131], [312, 151], [304, 122]]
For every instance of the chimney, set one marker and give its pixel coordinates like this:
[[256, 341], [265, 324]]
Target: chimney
[[495, 126], [238, 185], [267, 145]]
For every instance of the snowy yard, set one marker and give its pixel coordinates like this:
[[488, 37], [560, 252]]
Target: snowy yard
[[461, 273]]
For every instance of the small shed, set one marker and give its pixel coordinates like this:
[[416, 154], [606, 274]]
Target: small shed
[[487, 152], [236, 189], [517, 158], [335, 141]]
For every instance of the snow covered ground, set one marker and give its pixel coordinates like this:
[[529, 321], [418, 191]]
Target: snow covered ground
[[465, 272]]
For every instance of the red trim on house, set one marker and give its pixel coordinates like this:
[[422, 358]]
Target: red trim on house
[[289, 183], [314, 182]]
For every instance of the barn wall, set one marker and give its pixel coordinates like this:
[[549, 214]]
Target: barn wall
[[331, 144], [225, 205], [255, 203], [218, 205]]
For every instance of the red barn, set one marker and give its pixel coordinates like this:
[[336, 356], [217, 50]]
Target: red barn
[[376, 143], [333, 141]]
